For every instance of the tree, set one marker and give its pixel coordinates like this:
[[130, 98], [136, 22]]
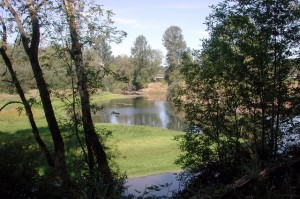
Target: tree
[[17, 55], [239, 85], [92, 141], [146, 62], [87, 29], [122, 69], [77, 29], [103, 50], [174, 43], [155, 67], [30, 37], [21, 93]]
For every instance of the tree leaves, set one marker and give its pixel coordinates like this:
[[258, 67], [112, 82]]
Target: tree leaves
[[236, 88]]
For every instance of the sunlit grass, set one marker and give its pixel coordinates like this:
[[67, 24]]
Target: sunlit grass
[[138, 150], [106, 96], [142, 150]]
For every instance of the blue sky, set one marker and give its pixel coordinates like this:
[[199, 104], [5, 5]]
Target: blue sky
[[152, 17]]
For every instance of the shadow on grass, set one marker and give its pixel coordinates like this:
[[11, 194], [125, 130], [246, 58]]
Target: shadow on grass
[[24, 132], [26, 136]]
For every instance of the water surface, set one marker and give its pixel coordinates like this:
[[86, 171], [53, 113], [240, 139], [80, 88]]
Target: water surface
[[140, 111], [159, 185]]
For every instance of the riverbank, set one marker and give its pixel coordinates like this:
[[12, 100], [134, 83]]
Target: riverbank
[[156, 91], [153, 91], [138, 150]]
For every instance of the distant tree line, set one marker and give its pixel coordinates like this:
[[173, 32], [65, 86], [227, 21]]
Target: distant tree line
[[105, 71]]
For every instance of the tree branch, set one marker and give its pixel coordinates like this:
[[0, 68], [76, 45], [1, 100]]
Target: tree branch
[[5, 80], [4, 40], [25, 38], [8, 103], [40, 5], [35, 39], [4, 34]]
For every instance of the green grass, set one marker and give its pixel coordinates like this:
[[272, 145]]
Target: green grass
[[106, 96], [138, 150], [11, 121], [142, 150]]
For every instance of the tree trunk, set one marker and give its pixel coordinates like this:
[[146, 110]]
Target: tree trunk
[[25, 102], [59, 150], [31, 48], [92, 139]]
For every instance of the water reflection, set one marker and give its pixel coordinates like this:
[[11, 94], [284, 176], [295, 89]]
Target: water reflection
[[140, 111], [167, 184]]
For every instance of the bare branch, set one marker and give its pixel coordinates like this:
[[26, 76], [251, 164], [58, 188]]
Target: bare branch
[[3, 74], [8, 81], [8, 103]]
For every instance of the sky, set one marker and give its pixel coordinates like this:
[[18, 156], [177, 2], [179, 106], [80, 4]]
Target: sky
[[152, 17]]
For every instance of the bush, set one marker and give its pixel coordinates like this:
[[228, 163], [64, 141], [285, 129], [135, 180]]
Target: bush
[[18, 169]]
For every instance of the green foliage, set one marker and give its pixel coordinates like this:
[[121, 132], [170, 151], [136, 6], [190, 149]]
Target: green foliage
[[20, 176], [57, 67], [95, 187], [18, 173], [22, 69], [237, 88], [176, 46], [122, 68], [197, 150], [91, 185], [146, 62]]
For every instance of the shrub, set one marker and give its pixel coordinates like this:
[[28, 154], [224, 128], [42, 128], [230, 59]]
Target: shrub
[[18, 169]]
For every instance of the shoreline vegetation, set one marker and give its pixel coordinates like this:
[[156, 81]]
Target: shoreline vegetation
[[138, 150], [154, 91]]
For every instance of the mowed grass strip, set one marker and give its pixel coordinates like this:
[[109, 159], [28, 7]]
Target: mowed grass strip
[[142, 150]]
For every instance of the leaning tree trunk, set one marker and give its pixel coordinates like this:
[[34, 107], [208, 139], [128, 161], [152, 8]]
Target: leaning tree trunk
[[27, 107], [92, 139], [31, 48]]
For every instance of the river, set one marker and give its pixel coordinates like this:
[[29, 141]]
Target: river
[[159, 185], [140, 111]]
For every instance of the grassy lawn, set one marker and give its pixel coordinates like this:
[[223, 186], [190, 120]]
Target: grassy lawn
[[142, 150], [138, 150]]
